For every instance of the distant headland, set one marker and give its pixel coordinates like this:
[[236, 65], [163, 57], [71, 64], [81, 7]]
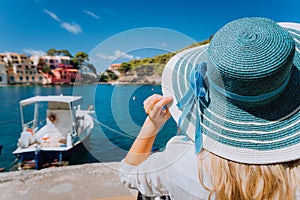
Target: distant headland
[[58, 67]]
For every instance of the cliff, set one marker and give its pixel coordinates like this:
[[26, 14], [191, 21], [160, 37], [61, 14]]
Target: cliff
[[149, 70], [145, 74]]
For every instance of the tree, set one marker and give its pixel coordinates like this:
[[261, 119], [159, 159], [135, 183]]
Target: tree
[[82, 56], [55, 52], [52, 52], [111, 75], [79, 58], [46, 69], [66, 53], [125, 67], [103, 78]]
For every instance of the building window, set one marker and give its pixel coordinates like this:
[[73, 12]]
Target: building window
[[41, 78], [12, 78], [21, 78], [33, 78], [27, 78], [19, 66], [1, 79]]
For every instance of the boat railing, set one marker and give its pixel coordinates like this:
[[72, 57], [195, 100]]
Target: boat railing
[[31, 124], [28, 124]]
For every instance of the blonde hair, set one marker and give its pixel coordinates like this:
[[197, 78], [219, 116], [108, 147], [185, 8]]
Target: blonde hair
[[232, 180]]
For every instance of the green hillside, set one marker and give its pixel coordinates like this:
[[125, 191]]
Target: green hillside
[[158, 61], [144, 70]]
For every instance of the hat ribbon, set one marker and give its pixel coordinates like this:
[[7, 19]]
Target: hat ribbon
[[197, 90], [256, 98]]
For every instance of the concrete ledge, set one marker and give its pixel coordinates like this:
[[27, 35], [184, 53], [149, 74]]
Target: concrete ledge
[[89, 181], [119, 198]]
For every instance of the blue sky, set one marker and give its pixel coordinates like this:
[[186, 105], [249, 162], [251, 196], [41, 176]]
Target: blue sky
[[29, 26]]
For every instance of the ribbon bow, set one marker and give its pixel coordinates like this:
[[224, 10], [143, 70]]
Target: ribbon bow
[[197, 90]]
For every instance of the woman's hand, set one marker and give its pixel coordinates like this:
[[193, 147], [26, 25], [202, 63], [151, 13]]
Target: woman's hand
[[158, 114], [156, 108]]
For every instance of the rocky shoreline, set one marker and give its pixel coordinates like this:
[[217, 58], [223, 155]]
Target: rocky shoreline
[[145, 74]]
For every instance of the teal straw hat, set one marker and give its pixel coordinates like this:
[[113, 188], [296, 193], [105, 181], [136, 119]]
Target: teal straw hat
[[239, 96]]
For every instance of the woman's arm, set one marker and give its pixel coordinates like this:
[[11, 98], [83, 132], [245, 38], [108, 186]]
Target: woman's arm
[[157, 116]]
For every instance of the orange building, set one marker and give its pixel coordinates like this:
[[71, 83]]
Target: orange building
[[64, 76]]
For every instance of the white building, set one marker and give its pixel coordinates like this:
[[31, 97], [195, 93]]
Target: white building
[[19, 69], [3, 74], [114, 68], [25, 73], [51, 61]]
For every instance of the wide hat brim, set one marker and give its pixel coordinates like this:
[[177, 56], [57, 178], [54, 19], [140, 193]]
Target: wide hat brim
[[268, 133]]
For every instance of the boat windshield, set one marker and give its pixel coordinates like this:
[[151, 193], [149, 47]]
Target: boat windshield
[[35, 115]]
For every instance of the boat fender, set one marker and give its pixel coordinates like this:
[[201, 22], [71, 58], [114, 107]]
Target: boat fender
[[69, 140]]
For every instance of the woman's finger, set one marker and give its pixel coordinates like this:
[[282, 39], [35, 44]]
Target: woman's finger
[[158, 107], [150, 98], [167, 113], [149, 104], [152, 103]]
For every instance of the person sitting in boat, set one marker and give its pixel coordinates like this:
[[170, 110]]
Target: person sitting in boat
[[27, 138]]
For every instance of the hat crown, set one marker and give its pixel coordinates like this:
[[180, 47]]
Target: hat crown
[[253, 56]]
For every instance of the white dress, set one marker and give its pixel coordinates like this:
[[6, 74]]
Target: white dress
[[173, 172]]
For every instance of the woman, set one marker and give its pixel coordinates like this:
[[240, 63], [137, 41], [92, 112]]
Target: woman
[[237, 102]]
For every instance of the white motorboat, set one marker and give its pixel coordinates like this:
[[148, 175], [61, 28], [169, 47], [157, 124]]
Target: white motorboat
[[53, 128]]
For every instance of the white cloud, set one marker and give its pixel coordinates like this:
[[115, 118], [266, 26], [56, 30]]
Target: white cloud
[[120, 54], [34, 52], [90, 13], [52, 15], [71, 27], [117, 55]]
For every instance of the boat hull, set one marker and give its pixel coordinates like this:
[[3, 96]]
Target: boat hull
[[42, 158]]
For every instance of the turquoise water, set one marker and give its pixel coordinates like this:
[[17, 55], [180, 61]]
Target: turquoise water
[[119, 110]]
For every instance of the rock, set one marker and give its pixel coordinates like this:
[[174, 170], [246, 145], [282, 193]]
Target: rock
[[145, 74]]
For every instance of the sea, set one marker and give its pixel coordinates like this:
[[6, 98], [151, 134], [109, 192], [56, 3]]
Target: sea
[[119, 115]]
